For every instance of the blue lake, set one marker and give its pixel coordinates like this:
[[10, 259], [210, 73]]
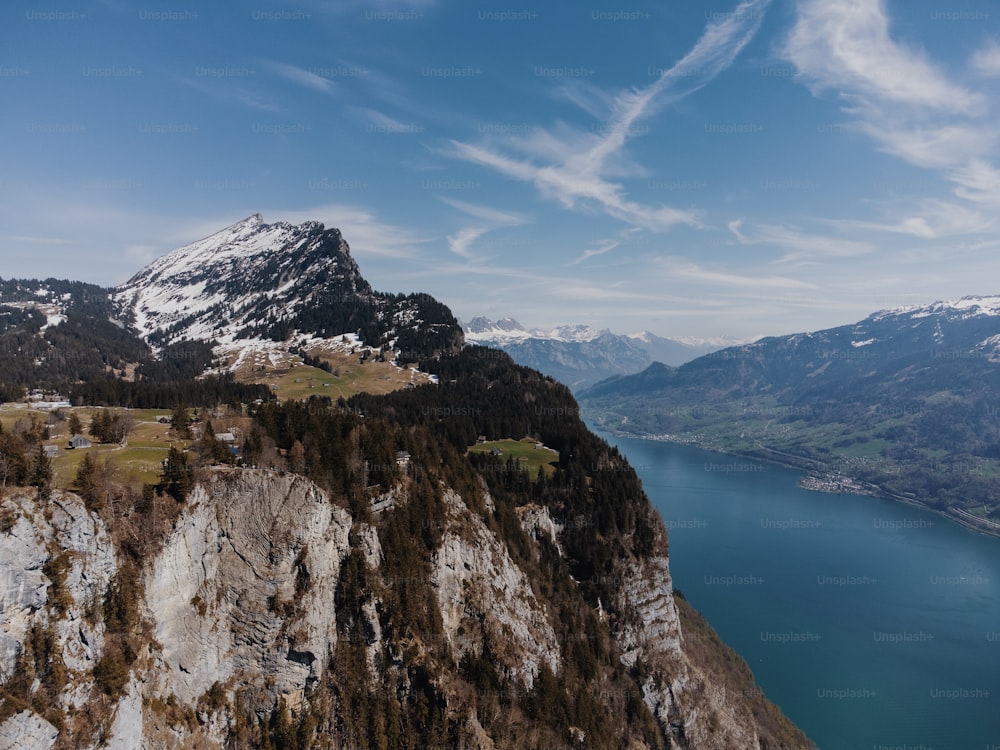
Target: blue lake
[[872, 624]]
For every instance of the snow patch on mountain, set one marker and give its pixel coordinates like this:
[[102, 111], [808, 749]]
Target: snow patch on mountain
[[482, 330], [55, 314], [706, 343], [991, 348]]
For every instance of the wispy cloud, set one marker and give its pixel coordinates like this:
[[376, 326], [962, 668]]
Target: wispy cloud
[[932, 146], [977, 181], [934, 219], [799, 246], [487, 213], [232, 93], [579, 169], [459, 242], [907, 105], [35, 240], [301, 76], [605, 246], [986, 60], [845, 45], [682, 268], [602, 247], [489, 219]]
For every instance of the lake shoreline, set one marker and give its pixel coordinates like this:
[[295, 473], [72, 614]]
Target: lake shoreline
[[817, 480]]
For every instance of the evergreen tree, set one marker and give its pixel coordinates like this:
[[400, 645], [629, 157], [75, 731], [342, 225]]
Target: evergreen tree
[[75, 427], [180, 421], [101, 426], [177, 477], [211, 448], [253, 446], [41, 472], [88, 482], [13, 460]]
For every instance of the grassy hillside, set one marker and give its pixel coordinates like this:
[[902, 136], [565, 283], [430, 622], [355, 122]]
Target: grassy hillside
[[523, 452]]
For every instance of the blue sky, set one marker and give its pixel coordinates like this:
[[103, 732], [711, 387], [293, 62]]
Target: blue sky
[[697, 169]]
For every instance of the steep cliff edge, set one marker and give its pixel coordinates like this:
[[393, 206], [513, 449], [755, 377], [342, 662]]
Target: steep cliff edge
[[264, 612]]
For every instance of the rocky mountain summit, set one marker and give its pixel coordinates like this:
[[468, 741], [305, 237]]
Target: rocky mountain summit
[[254, 281]]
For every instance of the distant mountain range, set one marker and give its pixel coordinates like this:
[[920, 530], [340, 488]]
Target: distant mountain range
[[579, 355], [903, 403]]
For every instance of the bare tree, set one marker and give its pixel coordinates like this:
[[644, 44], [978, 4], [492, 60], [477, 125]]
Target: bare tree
[[124, 425]]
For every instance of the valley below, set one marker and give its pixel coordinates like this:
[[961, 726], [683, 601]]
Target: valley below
[[900, 405]]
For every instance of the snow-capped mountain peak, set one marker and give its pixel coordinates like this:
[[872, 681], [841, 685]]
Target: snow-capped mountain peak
[[254, 282], [232, 241], [577, 333], [216, 286]]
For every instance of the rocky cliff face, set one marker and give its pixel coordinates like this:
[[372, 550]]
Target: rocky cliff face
[[241, 635], [485, 597], [227, 598]]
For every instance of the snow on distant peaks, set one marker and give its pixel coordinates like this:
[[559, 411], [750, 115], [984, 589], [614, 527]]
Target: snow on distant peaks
[[643, 336], [971, 306], [481, 324], [577, 333], [508, 330]]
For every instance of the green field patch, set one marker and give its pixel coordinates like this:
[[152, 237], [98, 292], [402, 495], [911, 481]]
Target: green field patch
[[349, 377], [869, 449], [524, 452], [134, 462], [140, 459]]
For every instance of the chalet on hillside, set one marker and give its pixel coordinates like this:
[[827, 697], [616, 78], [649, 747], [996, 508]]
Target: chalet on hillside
[[78, 441], [402, 458]]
